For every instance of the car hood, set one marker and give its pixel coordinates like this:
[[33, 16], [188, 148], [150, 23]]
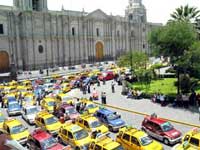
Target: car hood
[[74, 116], [117, 122], [56, 147], [173, 133], [154, 146], [31, 116]]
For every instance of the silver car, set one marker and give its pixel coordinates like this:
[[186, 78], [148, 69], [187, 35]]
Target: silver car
[[29, 114]]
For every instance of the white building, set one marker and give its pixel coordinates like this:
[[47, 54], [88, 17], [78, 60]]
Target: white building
[[32, 37]]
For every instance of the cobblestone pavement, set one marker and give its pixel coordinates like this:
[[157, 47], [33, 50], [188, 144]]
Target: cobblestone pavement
[[143, 105]]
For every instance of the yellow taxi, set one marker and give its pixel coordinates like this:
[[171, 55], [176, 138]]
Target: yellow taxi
[[95, 72], [1, 87], [49, 104], [26, 83], [91, 123], [47, 122], [2, 118], [63, 97], [131, 138], [9, 89], [23, 90], [66, 87], [56, 76], [89, 107], [74, 135], [191, 141], [29, 100], [104, 142], [12, 83], [16, 130], [71, 77]]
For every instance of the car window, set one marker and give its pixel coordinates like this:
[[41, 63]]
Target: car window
[[42, 120], [92, 145], [157, 127], [98, 114], [80, 120], [64, 131], [97, 147], [135, 141], [126, 137], [70, 135], [86, 124], [194, 141]]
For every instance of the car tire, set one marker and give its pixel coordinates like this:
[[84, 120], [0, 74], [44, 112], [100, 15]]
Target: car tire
[[166, 141]]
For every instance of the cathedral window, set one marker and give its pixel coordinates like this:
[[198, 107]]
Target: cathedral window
[[35, 4], [97, 30], [1, 29], [144, 46], [73, 31], [130, 17], [40, 49]]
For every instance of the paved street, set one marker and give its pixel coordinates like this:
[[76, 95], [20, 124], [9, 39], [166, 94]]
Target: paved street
[[143, 105]]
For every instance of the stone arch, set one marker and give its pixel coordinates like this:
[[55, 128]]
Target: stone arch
[[99, 51], [4, 61]]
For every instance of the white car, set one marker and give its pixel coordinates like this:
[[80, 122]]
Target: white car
[[29, 114]]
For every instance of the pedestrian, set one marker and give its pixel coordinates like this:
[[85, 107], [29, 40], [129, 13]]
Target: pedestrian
[[78, 105], [104, 98], [1, 98], [88, 88], [98, 82], [199, 113], [104, 81], [47, 72], [113, 87]]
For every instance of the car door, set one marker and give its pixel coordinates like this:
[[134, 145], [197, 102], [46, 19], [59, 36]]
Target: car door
[[71, 139], [148, 125], [134, 144], [64, 136], [42, 124], [125, 141], [157, 132], [86, 125], [194, 143]]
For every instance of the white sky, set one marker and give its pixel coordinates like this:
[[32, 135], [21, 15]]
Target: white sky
[[157, 10]]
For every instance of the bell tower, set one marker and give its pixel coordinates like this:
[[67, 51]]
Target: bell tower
[[136, 11], [32, 5]]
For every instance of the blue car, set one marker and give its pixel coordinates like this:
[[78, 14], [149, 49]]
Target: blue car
[[110, 119], [14, 108]]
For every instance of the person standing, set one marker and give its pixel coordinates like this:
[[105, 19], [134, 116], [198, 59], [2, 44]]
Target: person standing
[[88, 88], [104, 98], [1, 99], [113, 87], [78, 105]]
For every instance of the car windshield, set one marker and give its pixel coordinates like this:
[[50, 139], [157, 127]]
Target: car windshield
[[118, 148], [28, 99], [146, 140], [81, 134], [71, 111], [13, 105], [51, 103], [95, 124], [31, 110], [17, 129], [167, 126], [91, 106], [51, 120], [112, 116], [46, 144], [2, 119]]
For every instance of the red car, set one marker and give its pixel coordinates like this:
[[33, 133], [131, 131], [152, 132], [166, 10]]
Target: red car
[[41, 140], [161, 129], [69, 111], [108, 75]]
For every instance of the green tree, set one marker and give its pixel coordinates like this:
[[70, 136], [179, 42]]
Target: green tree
[[186, 13], [174, 40], [136, 60]]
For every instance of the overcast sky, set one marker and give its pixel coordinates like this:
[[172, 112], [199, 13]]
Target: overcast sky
[[157, 10]]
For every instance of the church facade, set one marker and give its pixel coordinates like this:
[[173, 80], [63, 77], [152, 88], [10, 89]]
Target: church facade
[[33, 37]]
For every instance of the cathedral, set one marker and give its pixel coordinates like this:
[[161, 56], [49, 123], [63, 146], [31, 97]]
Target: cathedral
[[33, 37]]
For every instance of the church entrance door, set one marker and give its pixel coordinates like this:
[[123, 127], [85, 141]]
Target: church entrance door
[[4, 61], [99, 51]]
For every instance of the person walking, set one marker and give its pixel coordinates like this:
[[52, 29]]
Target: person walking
[[88, 88], [113, 87], [1, 99], [78, 105], [104, 98]]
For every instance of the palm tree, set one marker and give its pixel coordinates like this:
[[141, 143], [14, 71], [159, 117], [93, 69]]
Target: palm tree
[[186, 13]]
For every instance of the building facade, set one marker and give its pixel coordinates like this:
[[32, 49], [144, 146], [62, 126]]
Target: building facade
[[33, 37]]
